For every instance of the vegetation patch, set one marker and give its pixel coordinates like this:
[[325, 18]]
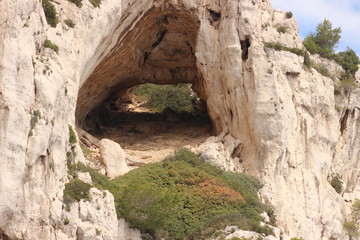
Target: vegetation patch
[[336, 183], [76, 190], [69, 23], [352, 227], [183, 198], [66, 221], [282, 29], [324, 42], [50, 13], [322, 70], [289, 15], [158, 97], [95, 3], [78, 3], [279, 47], [49, 44], [86, 151], [72, 135]]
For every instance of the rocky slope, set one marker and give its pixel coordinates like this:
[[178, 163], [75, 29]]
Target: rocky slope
[[273, 118]]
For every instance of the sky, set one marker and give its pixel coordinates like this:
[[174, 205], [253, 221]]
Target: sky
[[342, 13]]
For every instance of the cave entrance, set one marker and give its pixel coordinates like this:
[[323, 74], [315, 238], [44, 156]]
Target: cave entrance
[[149, 121], [159, 49]]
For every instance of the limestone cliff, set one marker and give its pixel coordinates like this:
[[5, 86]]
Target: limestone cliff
[[274, 118]]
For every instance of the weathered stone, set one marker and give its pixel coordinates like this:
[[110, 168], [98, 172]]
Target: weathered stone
[[113, 157], [277, 119]]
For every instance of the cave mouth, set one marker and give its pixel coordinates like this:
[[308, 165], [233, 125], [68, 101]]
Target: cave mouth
[[160, 49], [149, 121]]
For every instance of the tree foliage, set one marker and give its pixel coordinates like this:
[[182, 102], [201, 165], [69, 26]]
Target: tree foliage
[[349, 61], [325, 36], [324, 42], [158, 97]]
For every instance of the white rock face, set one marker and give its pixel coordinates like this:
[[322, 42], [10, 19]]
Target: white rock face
[[275, 119], [113, 157], [231, 232], [334, 69], [95, 219]]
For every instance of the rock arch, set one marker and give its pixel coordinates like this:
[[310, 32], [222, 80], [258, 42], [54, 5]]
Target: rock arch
[[159, 49]]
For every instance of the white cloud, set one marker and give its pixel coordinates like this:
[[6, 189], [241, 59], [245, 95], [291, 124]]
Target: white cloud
[[342, 13]]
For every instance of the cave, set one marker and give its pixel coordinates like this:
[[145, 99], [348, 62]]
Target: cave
[[159, 49]]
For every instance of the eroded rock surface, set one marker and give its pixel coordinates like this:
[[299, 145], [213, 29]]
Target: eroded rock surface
[[276, 119]]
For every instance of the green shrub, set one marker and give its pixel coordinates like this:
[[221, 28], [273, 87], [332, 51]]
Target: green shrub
[[95, 3], [70, 166], [307, 60], [76, 190], [279, 47], [67, 208], [183, 198], [49, 44], [177, 97], [35, 117], [349, 61], [50, 13], [86, 151], [351, 228], [289, 15], [76, 2], [66, 221], [282, 29], [72, 135], [295, 238], [336, 183], [69, 23]]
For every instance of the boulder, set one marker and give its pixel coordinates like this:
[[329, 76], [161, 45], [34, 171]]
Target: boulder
[[113, 156]]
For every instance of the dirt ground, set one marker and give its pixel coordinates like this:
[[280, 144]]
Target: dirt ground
[[150, 137]]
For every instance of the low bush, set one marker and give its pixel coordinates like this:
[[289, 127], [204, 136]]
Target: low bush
[[289, 15], [177, 97], [66, 221], [76, 190], [50, 13], [307, 60], [78, 3], [49, 44], [279, 47], [72, 135], [182, 198], [336, 183], [86, 151], [95, 3], [69, 23], [282, 29]]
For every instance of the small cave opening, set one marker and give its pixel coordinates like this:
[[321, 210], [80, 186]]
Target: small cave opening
[[245, 44], [153, 62]]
